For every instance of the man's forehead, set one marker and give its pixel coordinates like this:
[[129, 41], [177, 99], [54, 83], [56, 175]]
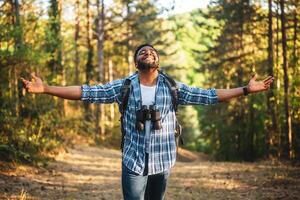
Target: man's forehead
[[146, 48]]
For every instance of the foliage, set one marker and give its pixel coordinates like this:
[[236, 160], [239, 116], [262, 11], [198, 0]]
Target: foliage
[[220, 47]]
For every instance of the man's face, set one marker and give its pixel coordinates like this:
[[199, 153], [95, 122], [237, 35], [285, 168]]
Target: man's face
[[147, 58]]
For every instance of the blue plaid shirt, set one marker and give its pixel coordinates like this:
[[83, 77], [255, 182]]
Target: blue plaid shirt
[[162, 152]]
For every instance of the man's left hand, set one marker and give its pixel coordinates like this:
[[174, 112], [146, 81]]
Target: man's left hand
[[259, 86]]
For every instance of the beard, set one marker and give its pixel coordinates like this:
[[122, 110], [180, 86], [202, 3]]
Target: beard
[[145, 66]]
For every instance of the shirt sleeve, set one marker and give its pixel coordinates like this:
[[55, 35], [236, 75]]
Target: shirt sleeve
[[196, 96], [107, 93]]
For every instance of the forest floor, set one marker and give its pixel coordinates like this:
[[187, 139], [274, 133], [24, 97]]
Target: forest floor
[[89, 172]]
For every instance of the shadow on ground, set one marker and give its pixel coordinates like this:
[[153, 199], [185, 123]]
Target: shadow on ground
[[87, 172]]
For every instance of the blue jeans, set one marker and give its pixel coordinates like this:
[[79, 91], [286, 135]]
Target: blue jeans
[[143, 187]]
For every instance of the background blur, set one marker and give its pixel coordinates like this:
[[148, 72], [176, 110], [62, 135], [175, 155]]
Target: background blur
[[216, 44]]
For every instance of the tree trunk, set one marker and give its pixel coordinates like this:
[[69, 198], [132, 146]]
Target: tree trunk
[[100, 44], [110, 78], [288, 121], [60, 63], [272, 127], [77, 30], [18, 44], [295, 72], [89, 65], [295, 57], [128, 42], [19, 35], [54, 48], [279, 136], [55, 38], [243, 146]]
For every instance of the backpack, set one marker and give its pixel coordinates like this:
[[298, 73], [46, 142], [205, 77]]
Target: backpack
[[125, 91]]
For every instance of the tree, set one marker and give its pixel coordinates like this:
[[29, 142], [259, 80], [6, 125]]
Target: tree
[[100, 49], [76, 38], [288, 120], [271, 99], [90, 54], [53, 40]]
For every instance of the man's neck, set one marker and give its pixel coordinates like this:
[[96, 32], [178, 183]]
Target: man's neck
[[148, 77]]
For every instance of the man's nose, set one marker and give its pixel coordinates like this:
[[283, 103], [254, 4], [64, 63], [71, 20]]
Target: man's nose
[[148, 53]]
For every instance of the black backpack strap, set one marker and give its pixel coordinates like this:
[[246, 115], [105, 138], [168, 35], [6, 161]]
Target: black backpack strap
[[125, 91], [174, 92], [173, 88]]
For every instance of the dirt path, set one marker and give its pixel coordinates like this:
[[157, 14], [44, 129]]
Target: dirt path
[[94, 173]]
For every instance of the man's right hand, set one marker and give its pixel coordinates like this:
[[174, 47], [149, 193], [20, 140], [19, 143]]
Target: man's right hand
[[35, 85]]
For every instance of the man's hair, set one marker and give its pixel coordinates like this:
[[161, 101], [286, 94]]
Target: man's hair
[[139, 48]]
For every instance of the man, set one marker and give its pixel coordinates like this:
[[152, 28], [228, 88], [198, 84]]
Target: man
[[149, 150]]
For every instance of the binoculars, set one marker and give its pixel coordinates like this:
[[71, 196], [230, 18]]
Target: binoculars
[[148, 113]]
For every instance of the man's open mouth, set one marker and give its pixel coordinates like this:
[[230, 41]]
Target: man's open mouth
[[148, 58]]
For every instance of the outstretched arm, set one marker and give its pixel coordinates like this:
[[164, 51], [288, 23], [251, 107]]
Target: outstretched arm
[[37, 86], [253, 86]]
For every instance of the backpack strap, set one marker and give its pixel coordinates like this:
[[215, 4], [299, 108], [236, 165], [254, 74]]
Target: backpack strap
[[174, 93], [125, 91], [173, 89]]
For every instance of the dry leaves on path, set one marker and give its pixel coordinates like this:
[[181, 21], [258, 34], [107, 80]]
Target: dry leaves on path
[[87, 172]]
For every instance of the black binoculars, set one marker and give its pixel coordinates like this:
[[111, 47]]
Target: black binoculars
[[148, 113]]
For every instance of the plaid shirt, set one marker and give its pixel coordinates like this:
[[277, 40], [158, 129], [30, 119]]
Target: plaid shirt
[[162, 152]]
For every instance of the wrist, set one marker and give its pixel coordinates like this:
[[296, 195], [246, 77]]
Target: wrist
[[45, 89], [246, 90]]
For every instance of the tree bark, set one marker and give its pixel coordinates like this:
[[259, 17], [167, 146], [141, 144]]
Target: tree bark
[[272, 127], [280, 134], [128, 42], [55, 37], [112, 107], [295, 72], [89, 65], [288, 121], [18, 44], [54, 48], [100, 46], [76, 37]]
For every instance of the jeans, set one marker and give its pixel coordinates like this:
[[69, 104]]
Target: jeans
[[143, 187]]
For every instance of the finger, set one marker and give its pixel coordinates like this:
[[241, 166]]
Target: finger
[[267, 87], [254, 76], [34, 76], [269, 84], [24, 81], [268, 78], [269, 81]]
